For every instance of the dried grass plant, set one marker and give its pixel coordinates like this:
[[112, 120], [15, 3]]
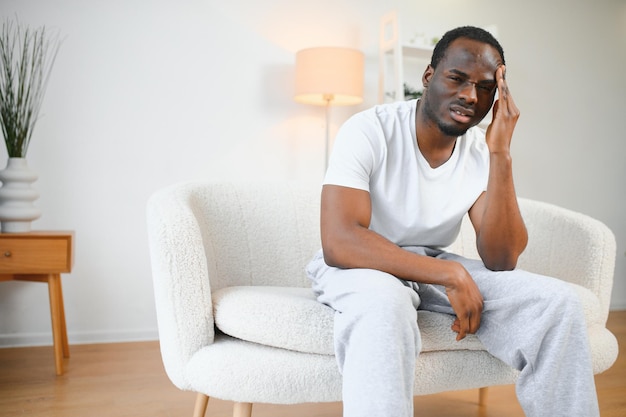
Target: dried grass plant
[[26, 60]]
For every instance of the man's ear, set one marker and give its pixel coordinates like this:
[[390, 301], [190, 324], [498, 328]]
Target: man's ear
[[428, 74]]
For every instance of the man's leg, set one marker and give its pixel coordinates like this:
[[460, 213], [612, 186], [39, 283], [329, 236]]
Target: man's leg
[[376, 338], [536, 325]]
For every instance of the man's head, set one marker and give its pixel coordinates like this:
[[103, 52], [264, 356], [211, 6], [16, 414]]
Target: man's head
[[468, 32], [460, 83]]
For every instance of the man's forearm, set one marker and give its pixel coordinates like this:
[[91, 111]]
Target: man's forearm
[[363, 248], [503, 235], [366, 249]]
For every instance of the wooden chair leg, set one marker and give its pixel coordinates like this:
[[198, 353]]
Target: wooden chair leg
[[200, 407], [482, 396], [242, 410]]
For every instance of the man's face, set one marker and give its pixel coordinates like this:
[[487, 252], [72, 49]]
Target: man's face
[[461, 90]]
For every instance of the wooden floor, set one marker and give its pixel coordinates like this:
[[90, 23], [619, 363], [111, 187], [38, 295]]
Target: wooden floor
[[127, 380]]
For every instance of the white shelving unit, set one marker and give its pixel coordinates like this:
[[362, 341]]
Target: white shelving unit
[[392, 55]]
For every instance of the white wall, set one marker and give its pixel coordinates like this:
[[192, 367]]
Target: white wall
[[148, 93]]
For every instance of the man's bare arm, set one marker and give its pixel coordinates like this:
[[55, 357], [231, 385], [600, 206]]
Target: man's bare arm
[[348, 243], [500, 230]]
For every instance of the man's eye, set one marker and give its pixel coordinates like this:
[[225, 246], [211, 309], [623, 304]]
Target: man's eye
[[455, 78], [486, 88]]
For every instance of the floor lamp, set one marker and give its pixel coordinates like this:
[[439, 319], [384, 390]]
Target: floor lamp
[[329, 76]]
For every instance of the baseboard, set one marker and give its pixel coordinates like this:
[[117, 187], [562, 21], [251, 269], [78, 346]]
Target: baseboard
[[78, 338]]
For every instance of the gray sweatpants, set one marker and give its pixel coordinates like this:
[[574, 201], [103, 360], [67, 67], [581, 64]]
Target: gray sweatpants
[[531, 322]]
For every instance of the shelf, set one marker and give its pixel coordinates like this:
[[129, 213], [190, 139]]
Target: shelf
[[412, 51], [392, 54]]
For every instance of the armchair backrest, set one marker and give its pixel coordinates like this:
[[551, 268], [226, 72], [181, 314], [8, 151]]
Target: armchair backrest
[[249, 233], [258, 233], [264, 234]]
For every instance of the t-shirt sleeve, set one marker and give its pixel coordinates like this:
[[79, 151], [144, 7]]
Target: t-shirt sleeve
[[352, 160]]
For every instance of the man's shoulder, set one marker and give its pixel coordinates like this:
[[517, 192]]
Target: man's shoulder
[[384, 114], [381, 114], [395, 108], [384, 110]]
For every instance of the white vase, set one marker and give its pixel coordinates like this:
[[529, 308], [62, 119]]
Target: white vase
[[17, 195]]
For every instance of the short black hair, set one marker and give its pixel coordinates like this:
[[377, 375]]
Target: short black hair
[[468, 32]]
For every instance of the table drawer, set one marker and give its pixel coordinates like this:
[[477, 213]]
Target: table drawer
[[41, 254]]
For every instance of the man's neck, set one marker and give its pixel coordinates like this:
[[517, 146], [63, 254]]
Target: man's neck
[[436, 147]]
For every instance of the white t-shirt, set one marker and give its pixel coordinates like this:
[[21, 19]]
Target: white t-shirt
[[412, 204]]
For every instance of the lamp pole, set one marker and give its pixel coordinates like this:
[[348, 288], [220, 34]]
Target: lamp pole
[[327, 98]]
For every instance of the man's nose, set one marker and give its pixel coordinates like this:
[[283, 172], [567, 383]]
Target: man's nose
[[468, 92]]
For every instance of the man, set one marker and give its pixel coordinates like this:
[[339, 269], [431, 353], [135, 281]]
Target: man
[[400, 179]]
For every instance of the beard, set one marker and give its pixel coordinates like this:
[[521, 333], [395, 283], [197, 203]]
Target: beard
[[448, 129]]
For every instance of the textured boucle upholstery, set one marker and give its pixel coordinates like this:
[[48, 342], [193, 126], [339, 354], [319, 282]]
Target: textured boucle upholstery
[[238, 321], [261, 315]]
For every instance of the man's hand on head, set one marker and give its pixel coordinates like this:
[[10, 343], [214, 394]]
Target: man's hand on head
[[505, 115]]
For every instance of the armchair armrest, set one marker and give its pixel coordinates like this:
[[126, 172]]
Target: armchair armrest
[[180, 277], [571, 246], [563, 244]]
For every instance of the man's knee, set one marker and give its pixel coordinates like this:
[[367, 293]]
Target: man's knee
[[558, 302], [387, 306]]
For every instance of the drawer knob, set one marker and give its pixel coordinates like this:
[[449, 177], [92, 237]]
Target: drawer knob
[[7, 254]]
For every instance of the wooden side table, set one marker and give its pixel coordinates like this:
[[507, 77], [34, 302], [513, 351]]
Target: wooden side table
[[41, 257]]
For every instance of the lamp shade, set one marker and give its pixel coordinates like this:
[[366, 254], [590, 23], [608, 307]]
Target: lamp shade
[[329, 75]]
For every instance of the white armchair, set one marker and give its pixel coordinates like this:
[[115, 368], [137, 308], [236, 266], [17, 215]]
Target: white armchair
[[238, 321]]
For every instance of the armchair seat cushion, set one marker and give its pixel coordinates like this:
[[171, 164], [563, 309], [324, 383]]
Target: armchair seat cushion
[[291, 318], [283, 317]]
